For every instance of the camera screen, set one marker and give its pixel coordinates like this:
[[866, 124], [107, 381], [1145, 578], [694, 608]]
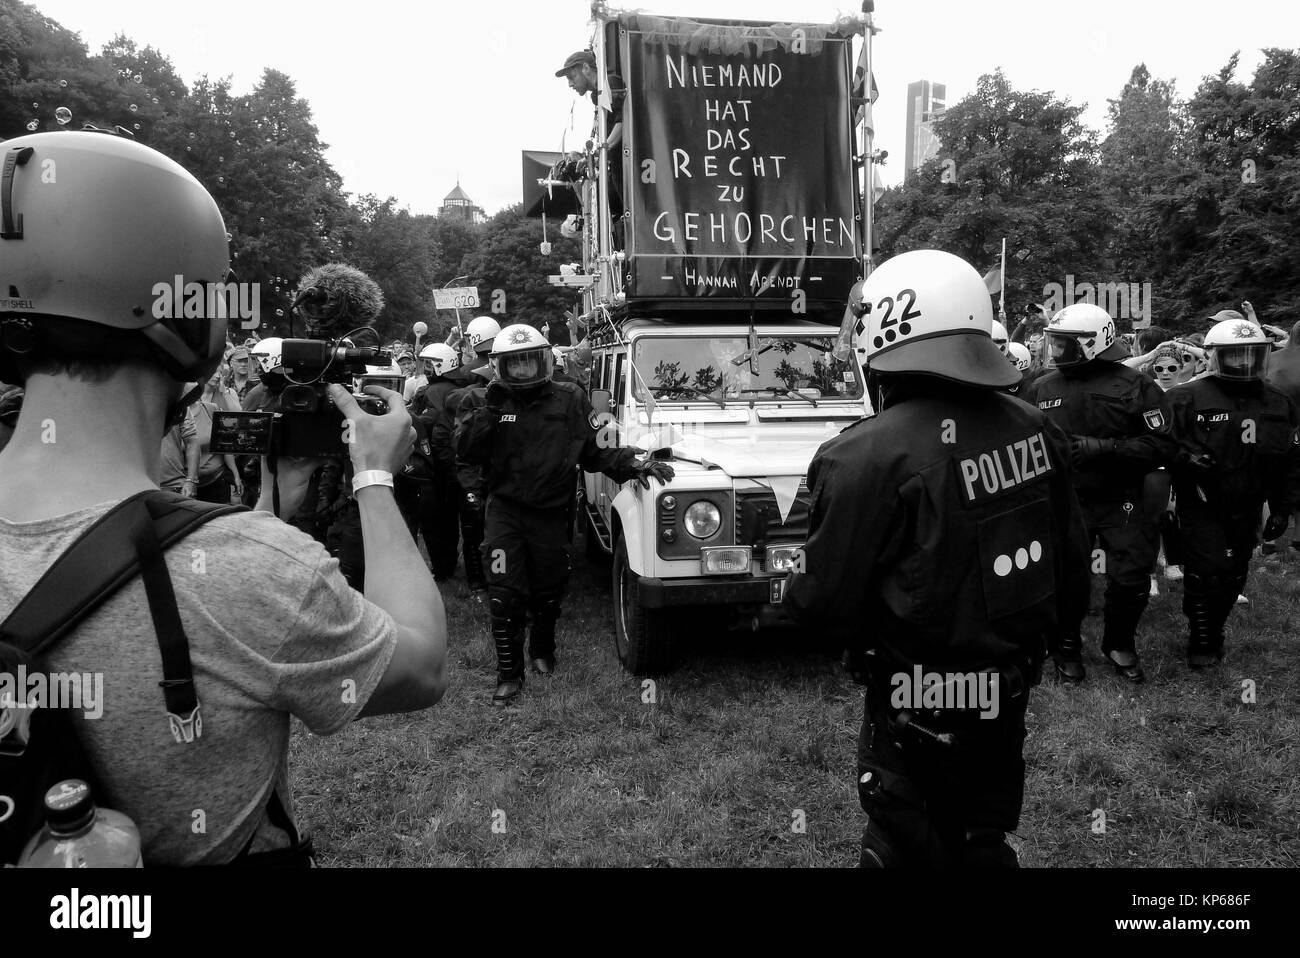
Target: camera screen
[[393, 382], [241, 433]]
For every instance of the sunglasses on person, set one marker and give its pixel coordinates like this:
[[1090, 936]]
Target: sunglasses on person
[[1166, 369]]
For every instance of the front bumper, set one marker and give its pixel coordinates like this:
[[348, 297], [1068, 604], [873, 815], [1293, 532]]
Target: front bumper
[[706, 590]]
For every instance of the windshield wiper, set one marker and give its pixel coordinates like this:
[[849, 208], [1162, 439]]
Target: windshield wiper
[[781, 391], [690, 389]]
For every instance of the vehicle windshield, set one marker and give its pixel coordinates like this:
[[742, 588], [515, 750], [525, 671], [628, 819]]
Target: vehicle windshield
[[718, 367]]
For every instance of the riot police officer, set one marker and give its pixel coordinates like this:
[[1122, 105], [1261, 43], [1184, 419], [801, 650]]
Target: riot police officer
[[528, 432], [945, 529], [440, 494], [474, 372], [1238, 439], [1118, 423]]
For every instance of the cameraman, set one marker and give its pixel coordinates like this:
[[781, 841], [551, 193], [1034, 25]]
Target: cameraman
[[273, 629]]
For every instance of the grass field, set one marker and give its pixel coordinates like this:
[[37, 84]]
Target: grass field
[[754, 737]]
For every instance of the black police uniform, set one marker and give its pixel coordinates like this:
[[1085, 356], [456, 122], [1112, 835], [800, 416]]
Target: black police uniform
[[946, 529], [528, 448], [440, 495], [1103, 400], [469, 478], [1240, 448]]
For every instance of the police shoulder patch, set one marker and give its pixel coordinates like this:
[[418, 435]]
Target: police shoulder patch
[[1155, 418]]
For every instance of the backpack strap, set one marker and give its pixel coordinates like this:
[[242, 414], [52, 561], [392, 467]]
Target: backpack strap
[[97, 564]]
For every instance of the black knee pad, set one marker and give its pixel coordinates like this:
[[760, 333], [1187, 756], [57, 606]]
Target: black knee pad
[[546, 604], [506, 607]]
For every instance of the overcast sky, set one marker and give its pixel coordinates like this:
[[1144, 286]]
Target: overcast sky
[[410, 97]]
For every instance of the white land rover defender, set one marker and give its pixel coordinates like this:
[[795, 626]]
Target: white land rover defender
[[739, 425]]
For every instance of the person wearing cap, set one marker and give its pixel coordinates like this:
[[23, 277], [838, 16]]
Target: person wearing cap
[[241, 377], [1118, 423], [1239, 444], [580, 71], [944, 536]]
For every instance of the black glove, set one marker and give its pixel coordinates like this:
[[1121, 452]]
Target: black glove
[[653, 467], [497, 394], [1087, 448], [1276, 525]]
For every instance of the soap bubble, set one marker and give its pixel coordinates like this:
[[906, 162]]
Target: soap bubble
[[63, 83], [279, 312], [33, 124], [229, 237], [134, 108], [137, 126], [63, 115], [137, 78], [221, 179], [232, 134], [191, 136]]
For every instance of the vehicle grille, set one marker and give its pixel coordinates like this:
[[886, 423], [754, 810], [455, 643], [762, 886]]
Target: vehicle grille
[[758, 520]]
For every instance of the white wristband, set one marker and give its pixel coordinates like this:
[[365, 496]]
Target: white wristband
[[371, 477]]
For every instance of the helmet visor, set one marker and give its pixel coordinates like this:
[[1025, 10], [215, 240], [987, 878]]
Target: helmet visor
[[1239, 362], [1064, 349], [526, 368]]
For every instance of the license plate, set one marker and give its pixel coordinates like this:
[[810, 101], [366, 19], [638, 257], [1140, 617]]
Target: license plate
[[776, 590]]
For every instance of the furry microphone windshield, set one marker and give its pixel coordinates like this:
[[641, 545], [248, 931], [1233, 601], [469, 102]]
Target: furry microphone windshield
[[336, 298]]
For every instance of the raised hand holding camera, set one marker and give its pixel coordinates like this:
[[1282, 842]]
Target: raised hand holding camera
[[376, 442]]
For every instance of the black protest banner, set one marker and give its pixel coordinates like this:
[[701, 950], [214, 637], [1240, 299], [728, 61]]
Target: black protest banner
[[741, 180]]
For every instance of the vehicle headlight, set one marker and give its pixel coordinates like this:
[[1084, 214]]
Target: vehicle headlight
[[702, 519]]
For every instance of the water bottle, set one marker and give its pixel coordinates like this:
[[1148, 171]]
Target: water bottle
[[79, 835]]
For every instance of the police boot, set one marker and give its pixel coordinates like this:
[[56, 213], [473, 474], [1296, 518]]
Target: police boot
[[545, 607], [988, 848], [1200, 604], [1069, 658], [877, 850], [507, 635], [1124, 607]]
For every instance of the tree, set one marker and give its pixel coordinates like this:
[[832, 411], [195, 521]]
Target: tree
[[1013, 164], [1232, 218], [508, 258], [1144, 159], [400, 253]]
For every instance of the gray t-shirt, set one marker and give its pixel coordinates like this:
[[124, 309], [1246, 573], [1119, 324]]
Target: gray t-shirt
[[274, 630]]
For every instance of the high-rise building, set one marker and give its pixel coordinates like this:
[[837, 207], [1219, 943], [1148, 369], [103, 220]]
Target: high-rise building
[[925, 101], [458, 204]]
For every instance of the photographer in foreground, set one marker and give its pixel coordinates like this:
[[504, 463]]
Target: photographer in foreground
[[273, 629]]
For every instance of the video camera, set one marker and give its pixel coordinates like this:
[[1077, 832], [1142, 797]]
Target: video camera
[[308, 424]]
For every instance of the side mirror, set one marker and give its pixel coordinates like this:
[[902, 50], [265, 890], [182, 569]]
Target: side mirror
[[602, 401]]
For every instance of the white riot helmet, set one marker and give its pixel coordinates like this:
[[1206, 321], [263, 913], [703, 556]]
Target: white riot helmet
[[481, 333], [521, 356], [442, 357], [1238, 350], [1018, 353], [266, 353], [928, 311], [1081, 333], [1000, 336]]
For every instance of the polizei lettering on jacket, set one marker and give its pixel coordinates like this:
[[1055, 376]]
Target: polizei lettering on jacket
[[987, 475]]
